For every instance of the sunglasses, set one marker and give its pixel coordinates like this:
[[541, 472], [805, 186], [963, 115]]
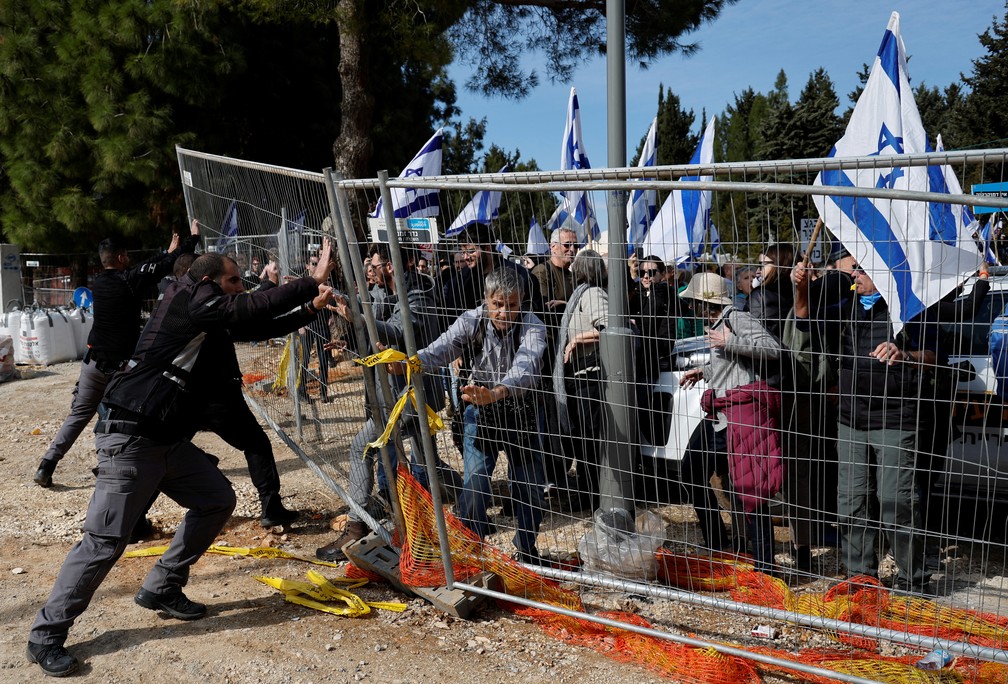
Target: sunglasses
[[568, 245], [649, 272]]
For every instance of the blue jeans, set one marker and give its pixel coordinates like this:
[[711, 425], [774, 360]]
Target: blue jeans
[[525, 476]]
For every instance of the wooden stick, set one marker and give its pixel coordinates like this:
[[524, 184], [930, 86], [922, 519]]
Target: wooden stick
[[812, 241]]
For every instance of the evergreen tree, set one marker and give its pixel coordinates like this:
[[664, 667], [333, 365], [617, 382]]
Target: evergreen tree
[[462, 150], [815, 127], [937, 110], [96, 96], [675, 141], [984, 115]]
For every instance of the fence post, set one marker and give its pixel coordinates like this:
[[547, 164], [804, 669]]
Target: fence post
[[353, 275], [616, 472], [430, 454]]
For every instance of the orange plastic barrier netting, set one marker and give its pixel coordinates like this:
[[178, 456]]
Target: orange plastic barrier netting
[[676, 661], [860, 600], [716, 572], [354, 572], [420, 562]]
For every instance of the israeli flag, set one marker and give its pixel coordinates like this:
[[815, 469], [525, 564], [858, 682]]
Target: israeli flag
[[407, 202], [482, 208], [536, 240], [503, 249], [715, 240], [985, 235], [951, 219], [642, 206], [679, 231], [913, 252], [576, 207], [229, 229]]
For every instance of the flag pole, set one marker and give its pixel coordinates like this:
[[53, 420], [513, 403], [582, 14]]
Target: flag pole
[[812, 241]]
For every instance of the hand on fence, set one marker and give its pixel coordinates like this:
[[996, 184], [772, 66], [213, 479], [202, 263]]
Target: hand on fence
[[325, 263], [323, 298]]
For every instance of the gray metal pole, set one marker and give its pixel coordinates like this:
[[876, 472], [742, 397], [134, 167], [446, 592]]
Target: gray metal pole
[[427, 442], [616, 474]]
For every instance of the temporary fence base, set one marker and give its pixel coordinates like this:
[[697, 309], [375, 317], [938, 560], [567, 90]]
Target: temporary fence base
[[375, 556]]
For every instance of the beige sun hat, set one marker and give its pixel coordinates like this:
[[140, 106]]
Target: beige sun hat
[[708, 287]]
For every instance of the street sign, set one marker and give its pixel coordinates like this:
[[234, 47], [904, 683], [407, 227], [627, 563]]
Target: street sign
[[806, 230], [83, 298], [416, 231], [999, 190]]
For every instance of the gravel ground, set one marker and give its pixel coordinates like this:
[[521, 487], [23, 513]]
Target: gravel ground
[[252, 635]]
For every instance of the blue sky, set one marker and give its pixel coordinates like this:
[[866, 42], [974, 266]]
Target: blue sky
[[746, 46]]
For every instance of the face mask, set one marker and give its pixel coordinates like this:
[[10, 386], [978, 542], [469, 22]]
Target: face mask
[[868, 301], [757, 280]]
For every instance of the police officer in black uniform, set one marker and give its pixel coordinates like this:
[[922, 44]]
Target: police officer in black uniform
[[118, 295], [142, 445]]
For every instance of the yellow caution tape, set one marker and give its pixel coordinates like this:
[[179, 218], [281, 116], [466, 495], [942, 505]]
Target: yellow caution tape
[[293, 587], [316, 594], [319, 594], [434, 422], [251, 552], [324, 607], [281, 378]]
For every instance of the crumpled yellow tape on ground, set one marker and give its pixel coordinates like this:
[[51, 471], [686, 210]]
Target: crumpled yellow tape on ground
[[321, 591], [251, 552], [434, 422]]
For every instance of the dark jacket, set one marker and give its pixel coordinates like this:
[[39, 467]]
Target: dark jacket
[[186, 353], [658, 309], [770, 305], [118, 297], [465, 292], [875, 395]]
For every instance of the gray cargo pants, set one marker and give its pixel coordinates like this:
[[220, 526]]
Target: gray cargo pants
[[130, 469], [889, 478], [87, 395]]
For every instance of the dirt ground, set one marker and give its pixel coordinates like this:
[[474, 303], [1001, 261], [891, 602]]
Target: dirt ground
[[250, 633]]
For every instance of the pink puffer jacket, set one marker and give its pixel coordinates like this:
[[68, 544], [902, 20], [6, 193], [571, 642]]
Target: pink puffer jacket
[[754, 448]]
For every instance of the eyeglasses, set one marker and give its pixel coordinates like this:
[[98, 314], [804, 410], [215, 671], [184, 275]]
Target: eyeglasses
[[469, 251], [649, 272], [857, 268], [568, 245]]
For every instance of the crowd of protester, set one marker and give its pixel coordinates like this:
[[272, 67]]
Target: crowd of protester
[[811, 399]]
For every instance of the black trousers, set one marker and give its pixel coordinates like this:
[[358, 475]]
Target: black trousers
[[233, 421]]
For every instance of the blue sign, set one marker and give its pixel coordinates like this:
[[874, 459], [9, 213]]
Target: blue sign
[[83, 298], [998, 190]]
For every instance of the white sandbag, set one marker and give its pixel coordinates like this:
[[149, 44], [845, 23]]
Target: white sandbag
[[10, 324], [81, 322], [47, 338], [6, 357]]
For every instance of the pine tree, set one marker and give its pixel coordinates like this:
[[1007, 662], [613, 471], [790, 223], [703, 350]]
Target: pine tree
[[984, 116], [675, 140], [815, 127]]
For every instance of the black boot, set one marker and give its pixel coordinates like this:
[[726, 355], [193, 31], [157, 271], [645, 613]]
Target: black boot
[[274, 513], [43, 476]]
